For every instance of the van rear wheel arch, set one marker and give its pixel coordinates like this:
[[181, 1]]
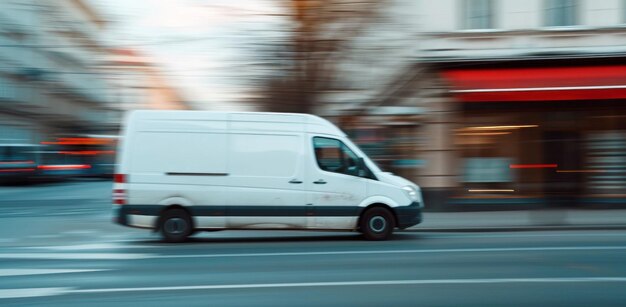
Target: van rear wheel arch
[[171, 207]]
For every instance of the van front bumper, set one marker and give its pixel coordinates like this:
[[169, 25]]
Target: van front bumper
[[408, 216]]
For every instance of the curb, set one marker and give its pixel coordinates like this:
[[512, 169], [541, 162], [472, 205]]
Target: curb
[[51, 201], [517, 228]]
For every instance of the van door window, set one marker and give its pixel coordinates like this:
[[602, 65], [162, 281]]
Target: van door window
[[334, 156]]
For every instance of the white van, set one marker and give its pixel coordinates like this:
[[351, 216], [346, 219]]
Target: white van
[[179, 172]]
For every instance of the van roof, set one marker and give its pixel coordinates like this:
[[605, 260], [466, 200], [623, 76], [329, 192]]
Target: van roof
[[314, 123]]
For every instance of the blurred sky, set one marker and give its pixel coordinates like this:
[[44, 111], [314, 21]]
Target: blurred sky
[[205, 47]]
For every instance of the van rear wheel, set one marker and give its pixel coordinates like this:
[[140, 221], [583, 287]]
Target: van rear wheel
[[377, 224], [175, 225]]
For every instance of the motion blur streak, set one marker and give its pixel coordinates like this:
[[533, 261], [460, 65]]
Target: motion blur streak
[[533, 166], [63, 167], [452, 104], [509, 115], [17, 170], [490, 191]]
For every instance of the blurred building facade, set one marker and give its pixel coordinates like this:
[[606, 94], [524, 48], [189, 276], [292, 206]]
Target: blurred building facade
[[50, 83], [139, 84], [507, 102]]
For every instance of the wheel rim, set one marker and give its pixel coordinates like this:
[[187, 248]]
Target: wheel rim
[[175, 226], [378, 224]]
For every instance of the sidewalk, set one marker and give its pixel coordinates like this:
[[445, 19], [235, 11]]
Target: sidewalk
[[68, 190], [522, 220]]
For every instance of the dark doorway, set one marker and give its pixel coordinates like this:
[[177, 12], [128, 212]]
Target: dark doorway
[[563, 185]]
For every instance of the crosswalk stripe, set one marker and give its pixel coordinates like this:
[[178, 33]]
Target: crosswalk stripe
[[90, 246], [22, 272], [32, 292], [76, 256]]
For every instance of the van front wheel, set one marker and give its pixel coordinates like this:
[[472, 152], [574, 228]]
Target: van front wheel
[[175, 225], [376, 224]]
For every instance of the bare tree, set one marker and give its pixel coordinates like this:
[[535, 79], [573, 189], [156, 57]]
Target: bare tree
[[322, 32]]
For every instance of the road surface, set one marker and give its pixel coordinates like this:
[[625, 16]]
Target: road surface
[[58, 248]]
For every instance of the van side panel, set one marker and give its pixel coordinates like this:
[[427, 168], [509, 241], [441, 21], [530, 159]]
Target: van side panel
[[179, 159], [264, 155], [261, 168], [159, 153]]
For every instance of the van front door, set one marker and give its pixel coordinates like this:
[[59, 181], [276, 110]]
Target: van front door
[[335, 185]]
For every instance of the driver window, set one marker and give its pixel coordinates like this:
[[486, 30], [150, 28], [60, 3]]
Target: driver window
[[334, 156]]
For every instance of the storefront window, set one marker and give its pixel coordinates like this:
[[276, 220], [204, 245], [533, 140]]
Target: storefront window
[[487, 170], [606, 162], [489, 153]]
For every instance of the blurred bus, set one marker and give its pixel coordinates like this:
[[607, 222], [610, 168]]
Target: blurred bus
[[63, 158], [89, 156], [53, 165], [18, 162]]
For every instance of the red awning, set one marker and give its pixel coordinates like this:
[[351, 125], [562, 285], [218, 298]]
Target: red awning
[[539, 84]]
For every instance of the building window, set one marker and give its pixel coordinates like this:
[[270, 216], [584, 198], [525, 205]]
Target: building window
[[561, 13], [478, 14]]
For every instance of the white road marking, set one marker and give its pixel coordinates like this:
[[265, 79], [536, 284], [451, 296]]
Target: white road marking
[[92, 246], [76, 256], [577, 235], [33, 292], [140, 256], [14, 293], [408, 251], [363, 283], [22, 272]]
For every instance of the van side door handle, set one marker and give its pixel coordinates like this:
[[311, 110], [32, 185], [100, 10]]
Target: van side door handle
[[295, 181], [321, 181]]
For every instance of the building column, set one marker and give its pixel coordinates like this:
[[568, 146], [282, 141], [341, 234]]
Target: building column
[[439, 174]]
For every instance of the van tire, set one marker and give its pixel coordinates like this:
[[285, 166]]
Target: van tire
[[175, 225], [376, 224]]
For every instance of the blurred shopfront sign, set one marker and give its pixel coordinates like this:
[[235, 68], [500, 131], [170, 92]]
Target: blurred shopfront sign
[[538, 83]]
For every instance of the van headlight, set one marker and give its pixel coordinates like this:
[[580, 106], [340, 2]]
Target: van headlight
[[411, 192]]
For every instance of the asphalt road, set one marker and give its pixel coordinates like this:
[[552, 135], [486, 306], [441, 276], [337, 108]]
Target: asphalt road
[[67, 253]]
